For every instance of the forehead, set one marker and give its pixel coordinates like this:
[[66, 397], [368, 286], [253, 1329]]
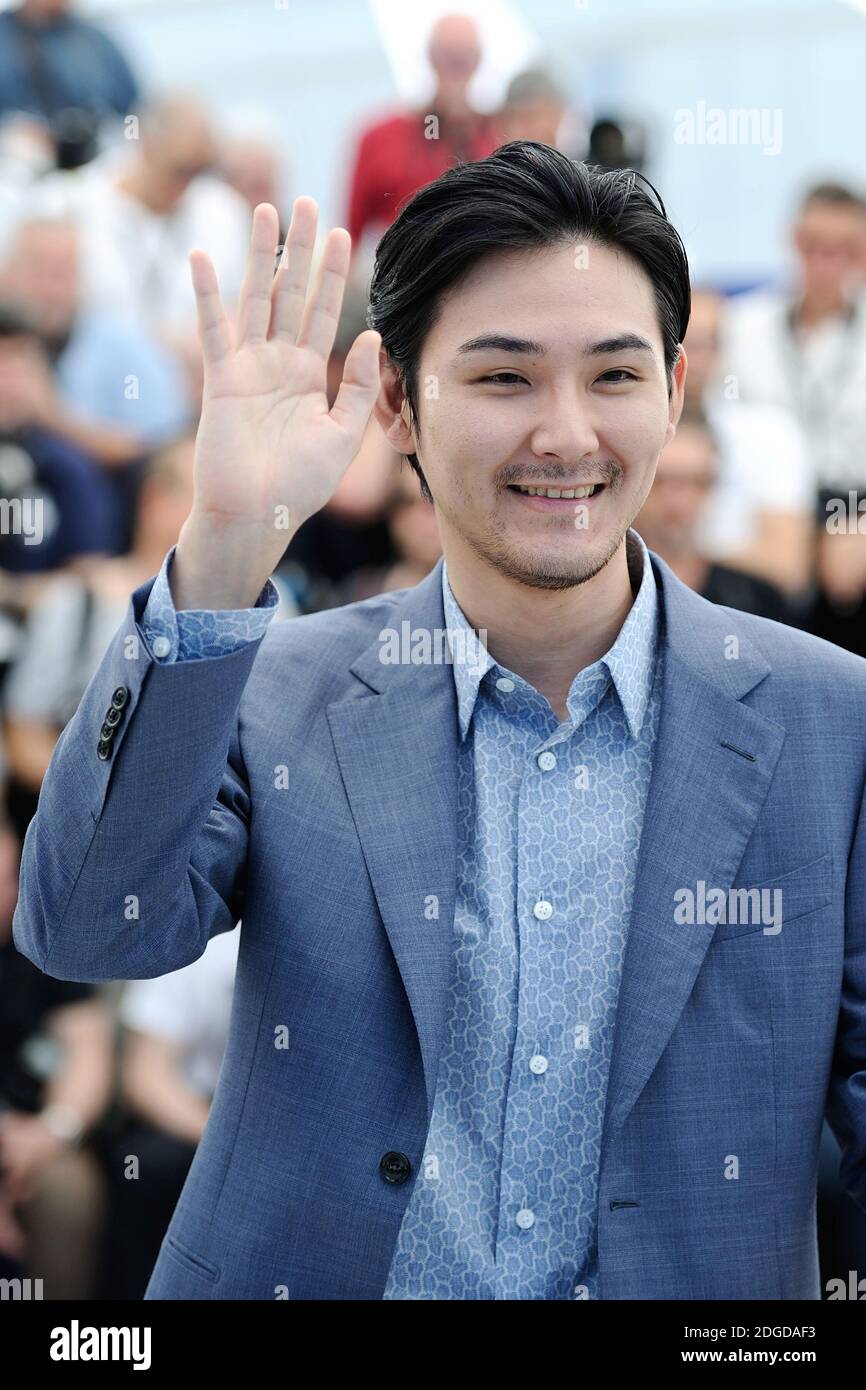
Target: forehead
[[826, 220], [561, 295]]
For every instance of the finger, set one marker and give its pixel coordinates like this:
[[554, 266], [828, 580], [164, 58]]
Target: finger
[[322, 314], [292, 277], [214, 330], [360, 385], [254, 301]]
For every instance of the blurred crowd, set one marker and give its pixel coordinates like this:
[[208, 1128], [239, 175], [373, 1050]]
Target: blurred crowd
[[105, 1090]]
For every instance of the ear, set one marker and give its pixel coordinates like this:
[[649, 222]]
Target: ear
[[677, 396], [392, 409]]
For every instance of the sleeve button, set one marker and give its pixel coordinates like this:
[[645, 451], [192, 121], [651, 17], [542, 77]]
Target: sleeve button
[[120, 697], [103, 749]]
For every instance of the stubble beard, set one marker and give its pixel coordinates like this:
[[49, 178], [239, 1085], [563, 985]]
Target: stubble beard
[[539, 571]]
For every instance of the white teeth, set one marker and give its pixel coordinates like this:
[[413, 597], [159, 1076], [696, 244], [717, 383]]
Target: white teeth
[[558, 492]]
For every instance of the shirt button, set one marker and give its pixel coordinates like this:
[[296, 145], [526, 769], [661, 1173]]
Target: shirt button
[[525, 1218], [161, 646], [546, 761], [504, 683], [543, 910], [538, 1064]]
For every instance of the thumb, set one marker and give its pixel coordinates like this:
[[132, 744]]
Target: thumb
[[360, 385]]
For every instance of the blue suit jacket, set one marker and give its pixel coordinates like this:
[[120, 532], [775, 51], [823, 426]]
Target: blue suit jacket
[[730, 1043]]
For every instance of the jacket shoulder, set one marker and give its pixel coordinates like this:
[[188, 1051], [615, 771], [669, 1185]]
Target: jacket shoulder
[[798, 657], [312, 653]]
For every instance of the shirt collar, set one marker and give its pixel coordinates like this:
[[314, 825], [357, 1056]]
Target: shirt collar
[[630, 662]]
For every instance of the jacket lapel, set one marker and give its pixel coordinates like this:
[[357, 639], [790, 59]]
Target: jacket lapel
[[396, 739], [703, 801]]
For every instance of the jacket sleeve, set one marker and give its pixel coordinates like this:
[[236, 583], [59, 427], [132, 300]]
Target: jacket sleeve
[[136, 854], [846, 1098]]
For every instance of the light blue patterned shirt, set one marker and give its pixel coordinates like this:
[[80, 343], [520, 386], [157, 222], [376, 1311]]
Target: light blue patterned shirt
[[549, 825]]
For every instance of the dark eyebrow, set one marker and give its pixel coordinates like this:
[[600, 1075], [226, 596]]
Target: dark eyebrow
[[624, 342], [503, 342]]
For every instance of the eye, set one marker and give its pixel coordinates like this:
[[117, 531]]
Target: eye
[[505, 379], [617, 375]]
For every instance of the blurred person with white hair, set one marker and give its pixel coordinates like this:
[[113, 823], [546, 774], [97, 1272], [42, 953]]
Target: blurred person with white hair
[[140, 215], [107, 385], [399, 154]]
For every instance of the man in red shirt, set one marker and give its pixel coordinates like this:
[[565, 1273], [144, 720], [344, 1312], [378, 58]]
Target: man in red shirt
[[402, 153]]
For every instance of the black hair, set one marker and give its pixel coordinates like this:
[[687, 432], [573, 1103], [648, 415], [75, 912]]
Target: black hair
[[524, 195]]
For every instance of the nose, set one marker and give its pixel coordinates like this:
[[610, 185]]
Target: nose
[[565, 430]]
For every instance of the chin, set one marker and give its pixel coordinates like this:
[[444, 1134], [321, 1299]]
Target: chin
[[537, 570], [564, 563]]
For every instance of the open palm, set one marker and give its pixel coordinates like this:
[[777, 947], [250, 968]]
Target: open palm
[[269, 451]]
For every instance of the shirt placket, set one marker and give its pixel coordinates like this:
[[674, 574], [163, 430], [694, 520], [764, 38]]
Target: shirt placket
[[541, 1079], [524, 1213]]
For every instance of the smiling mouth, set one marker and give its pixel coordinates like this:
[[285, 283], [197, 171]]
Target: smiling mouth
[[576, 492]]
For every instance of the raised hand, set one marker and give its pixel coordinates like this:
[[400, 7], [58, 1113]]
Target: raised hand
[[269, 451]]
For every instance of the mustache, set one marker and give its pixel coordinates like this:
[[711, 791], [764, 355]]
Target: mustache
[[606, 471]]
